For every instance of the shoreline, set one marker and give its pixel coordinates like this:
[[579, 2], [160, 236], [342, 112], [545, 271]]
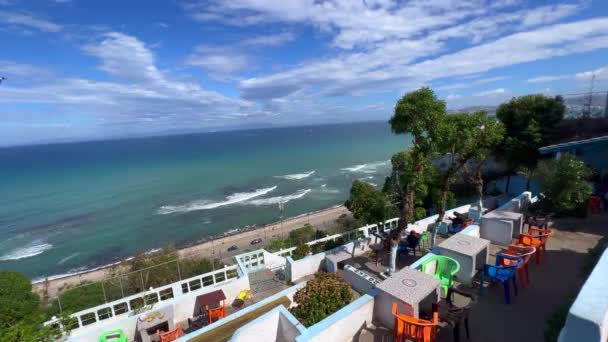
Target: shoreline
[[214, 246]]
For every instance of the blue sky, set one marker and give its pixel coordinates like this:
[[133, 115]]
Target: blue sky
[[80, 70]]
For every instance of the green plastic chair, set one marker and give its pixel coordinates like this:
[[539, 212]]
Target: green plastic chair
[[445, 270], [424, 241], [113, 336]]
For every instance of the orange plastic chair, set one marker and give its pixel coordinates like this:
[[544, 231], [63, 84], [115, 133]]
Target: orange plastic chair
[[170, 335], [524, 252], [218, 313], [537, 238], [595, 203], [408, 328]]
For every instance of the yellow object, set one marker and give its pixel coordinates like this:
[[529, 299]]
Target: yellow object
[[243, 295]]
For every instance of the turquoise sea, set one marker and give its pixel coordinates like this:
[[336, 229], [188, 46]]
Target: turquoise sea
[[69, 207]]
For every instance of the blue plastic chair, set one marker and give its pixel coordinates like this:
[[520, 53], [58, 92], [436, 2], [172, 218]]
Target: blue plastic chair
[[454, 228], [502, 273]]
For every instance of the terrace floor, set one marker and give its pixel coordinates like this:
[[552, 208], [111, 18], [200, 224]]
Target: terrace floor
[[551, 283]]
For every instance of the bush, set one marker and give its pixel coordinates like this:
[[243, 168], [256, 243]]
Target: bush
[[21, 315], [276, 245], [300, 252], [564, 185], [321, 297], [331, 244], [301, 235], [317, 247], [17, 301]]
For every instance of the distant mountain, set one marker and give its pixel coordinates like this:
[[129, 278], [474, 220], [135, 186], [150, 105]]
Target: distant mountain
[[491, 110]]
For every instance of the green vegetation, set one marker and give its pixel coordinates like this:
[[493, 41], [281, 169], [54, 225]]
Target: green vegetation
[[565, 186], [529, 121], [300, 252], [321, 297], [296, 237], [21, 315], [463, 138], [369, 205], [131, 277], [344, 223]]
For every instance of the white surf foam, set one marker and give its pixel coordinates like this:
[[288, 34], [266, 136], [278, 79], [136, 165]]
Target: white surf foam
[[279, 199], [206, 205], [297, 176], [71, 256], [366, 168], [26, 251]]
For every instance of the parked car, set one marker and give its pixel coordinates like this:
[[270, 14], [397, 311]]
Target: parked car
[[233, 248], [256, 241]]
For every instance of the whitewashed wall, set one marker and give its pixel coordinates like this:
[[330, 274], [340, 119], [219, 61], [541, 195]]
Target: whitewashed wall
[[588, 317], [342, 325]]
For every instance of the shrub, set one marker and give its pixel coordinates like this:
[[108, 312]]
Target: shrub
[[276, 244], [317, 247], [300, 252], [21, 316], [321, 297], [301, 235], [564, 184], [331, 244]]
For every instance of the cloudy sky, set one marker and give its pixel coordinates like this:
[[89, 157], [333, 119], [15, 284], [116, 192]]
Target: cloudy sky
[[78, 70]]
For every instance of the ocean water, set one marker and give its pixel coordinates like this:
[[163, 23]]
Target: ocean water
[[69, 207]]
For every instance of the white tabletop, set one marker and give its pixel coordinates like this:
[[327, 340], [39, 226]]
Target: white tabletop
[[409, 285], [465, 244]]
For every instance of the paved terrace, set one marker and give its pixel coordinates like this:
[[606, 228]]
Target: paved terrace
[[551, 283]]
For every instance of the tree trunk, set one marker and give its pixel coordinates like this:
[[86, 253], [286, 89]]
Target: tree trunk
[[445, 189], [393, 259]]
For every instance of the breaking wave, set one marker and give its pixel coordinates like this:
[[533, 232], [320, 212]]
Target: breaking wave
[[297, 176], [26, 252], [366, 168], [71, 256], [206, 205], [280, 199]]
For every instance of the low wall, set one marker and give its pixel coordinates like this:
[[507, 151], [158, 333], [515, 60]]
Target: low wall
[[588, 317], [289, 293], [297, 269], [183, 308], [359, 280], [276, 325], [343, 324]]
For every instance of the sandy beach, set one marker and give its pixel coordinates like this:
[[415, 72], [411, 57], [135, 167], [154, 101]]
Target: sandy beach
[[217, 248]]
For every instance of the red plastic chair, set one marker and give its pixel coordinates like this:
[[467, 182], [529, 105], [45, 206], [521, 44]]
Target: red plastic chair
[[467, 223], [537, 238], [408, 328], [595, 203], [524, 252], [170, 335], [218, 313]]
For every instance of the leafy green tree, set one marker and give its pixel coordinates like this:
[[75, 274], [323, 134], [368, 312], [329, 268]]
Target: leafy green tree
[[416, 115], [529, 121], [564, 184], [21, 315], [321, 297], [368, 204]]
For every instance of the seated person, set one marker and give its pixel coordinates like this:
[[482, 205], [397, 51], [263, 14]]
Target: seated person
[[458, 218], [412, 239]]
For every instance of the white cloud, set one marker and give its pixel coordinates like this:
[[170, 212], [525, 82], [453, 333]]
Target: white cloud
[[544, 79], [269, 40], [394, 65], [492, 92], [452, 97], [219, 63], [26, 20], [600, 74], [462, 85]]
